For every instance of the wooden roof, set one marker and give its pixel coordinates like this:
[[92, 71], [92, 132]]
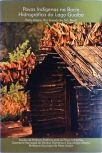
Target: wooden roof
[[84, 62]]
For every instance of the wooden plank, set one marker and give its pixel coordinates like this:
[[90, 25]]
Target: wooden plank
[[49, 86], [44, 100], [50, 119], [57, 73], [39, 113], [51, 81], [48, 103], [48, 115], [49, 110], [51, 90], [51, 106], [98, 51], [91, 57], [47, 118], [51, 93], [50, 124], [41, 127], [76, 76]]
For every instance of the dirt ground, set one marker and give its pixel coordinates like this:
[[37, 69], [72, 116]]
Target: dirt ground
[[16, 130]]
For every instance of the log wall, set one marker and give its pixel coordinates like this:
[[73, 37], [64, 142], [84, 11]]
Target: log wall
[[89, 112], [48, 100]]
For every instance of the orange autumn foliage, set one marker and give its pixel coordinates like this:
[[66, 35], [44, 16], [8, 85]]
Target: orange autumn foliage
[[16, 70]]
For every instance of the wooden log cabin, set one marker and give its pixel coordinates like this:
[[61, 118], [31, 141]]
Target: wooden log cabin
[[65, 91]]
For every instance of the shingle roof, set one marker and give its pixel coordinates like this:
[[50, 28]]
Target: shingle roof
[[84, 62]]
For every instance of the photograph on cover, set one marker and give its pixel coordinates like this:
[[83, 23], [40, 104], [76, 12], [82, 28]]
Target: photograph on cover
[[51, 80]]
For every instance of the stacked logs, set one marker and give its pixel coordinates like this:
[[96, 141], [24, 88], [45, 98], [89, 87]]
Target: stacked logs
[[75, 34], [11, 72]]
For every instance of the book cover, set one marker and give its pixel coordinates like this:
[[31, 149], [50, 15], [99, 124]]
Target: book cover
[[51, 76]]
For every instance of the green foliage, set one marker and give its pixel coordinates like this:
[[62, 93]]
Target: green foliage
[[22, 51], [14, 88], [4, 89]]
